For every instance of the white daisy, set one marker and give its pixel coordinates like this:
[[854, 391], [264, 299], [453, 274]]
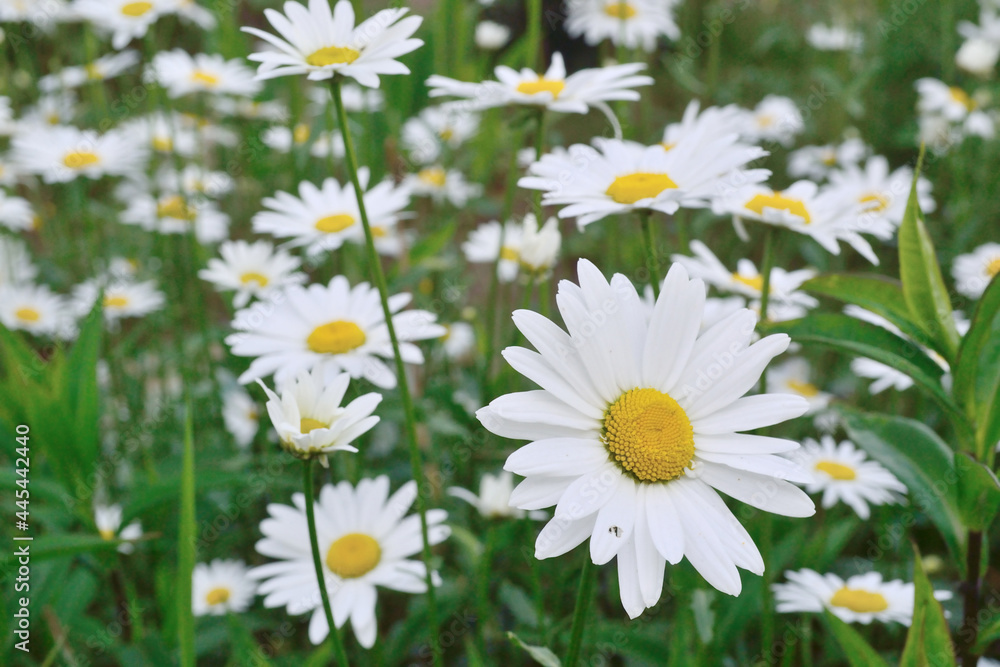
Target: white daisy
[[332, 327], [618, 177], [635, 431], [459, 341], [491, 36], [325, 43], [539, 246], [124, 19], [15, 262], [173, 213], [793, 377], [442, 185], [41, 13], [843, 473], [484, 247], [164, 133], [774, 119], [221, 587], [60, 154], [240, 107], [938, 98], [816, 162], [882, 194], [981, 49], [833, 38], [283, 138], [240, 415], [425, 136], [974, 271], [863, 598], [182, 74], [122, 298], [633, 24], [108, 519], [309, 419], [252, 270], [190, 10], [9, 173], [194, 180], [707, 124], [364, 542], [7, 122], [102, 69], [35, 309], [16, 213], [322, 219], [553, 90], [493, 501]]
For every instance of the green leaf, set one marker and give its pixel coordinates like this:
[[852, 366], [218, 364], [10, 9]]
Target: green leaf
[[978, 492], [977, 370], [186, 549], [540, 654], [987, 636], [61, 546], [928, 641], [923, 287], [79, 387], [921, 460], [859, 652]]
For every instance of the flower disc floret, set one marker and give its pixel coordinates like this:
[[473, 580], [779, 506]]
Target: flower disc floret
[[649, 435]]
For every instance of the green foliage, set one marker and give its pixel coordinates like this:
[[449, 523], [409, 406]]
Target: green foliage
[[978, 492], [928, 644], [977, 372], [540, 654], [186, 546], [858, 652]]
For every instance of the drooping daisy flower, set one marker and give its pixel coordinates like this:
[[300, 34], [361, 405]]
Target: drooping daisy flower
[[240, 415], [35, 309], [122, 298], [816, 162], [364, 542], [322, 219], [974, 271], [108, 519], [553, 90], [618, 177], [863, 598], [843, 473], [16, 213], [311, 422], [442, 185], [332, 327], [539, 246], [253, 270], [124, 19], [174, 213], [824, 37], [793, 377], [60, 154], [15, 262], [633, 24], [325, 43], [426, 135], [484, 247], [774, 119], [102, 69], [182, 74], [882, 194], [635, 431], [493, 501], [221, 587]]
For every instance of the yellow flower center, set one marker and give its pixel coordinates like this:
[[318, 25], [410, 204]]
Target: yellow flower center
[[993, 267], [836, 470], [433, 176], [300, 134], [253, 276], [80, 159], [859, 600], [446, 134], [217, 596], [620, 10], [308, 425], [962, 97], [807, 389], [36, 222], [336, 337], [881, 202], [509, 254], [27, 314], [379, 232], [667, 145], [542, 85], [93, 73], [638, 186], [136, 9], [753, 282], [779, 202], [175, 207], [334, 223], [163, 144], [118, 301], [765, 120], [204, 78], [333, 55], [353, 555], [648, 434], [830, 159], [107, 534]]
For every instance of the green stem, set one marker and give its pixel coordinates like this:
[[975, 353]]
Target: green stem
[[767, 263], [483, 586], [534, 10], [539, 150], [583, 595], [378, 276], [307, 484], [970, 622], [652, 256]]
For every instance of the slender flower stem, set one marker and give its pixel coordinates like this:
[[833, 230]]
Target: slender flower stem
[[539, 149], [652, 256], [767, 263], [583, 595], [534, 10], [970, 623], [378, 276], [307, 484]]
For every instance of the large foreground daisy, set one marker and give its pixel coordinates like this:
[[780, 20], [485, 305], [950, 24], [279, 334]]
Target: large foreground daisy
[[634, 432], [364, 542]]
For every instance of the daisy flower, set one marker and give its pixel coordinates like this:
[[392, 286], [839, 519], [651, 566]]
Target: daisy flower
[[493, 501], [309, 417], [16, 213], [816, 162], [241, 107], [173, 213], [35, 309], [15, 262], [162, 133], [539, 245], [709, 123], [484, 247], [252, 270], [108, 519], [9, 174], [41, 15], [221, 587], [553, 90], [635, 432], [981, 49], [325, 43], [442, 185], [863, 598], [124, 19], [191, 11], [938, 98], [182, 74], [491, 36], [122, 298], [240, 415], [282, 138], [459, 341], [974, 271], [322, 219], [774, 119], [332, 327], [793, 377], [881, 194], [364, 542], [824, 37], [52, 109], [843, 473], [194, 180], [616, 177], [426, 135], [7, 122], [60, 154], [102, 69], [633, 24]]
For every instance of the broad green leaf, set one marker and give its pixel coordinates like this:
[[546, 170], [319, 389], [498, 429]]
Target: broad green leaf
[[80, 387], [923, 287], [977, 370], [859, 652], [540, 654], [928, 642], [922, 461], [978, 492], [187, 534]]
